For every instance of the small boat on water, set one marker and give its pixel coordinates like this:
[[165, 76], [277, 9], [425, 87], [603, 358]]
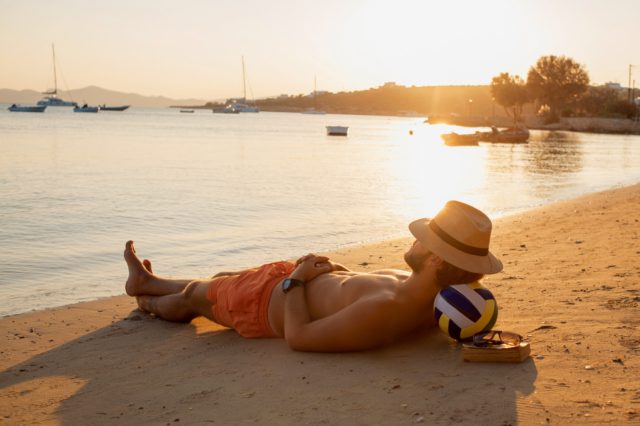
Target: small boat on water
[[454, 139], [314, 110], [337, 130], [19, 108], [54, 100], [86, 108], [228, 109], [513, 134], [238, 105], [187, 111], [403, 113], [113, 108]]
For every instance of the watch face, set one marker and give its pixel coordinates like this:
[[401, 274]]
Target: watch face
[[286, 284], [289, 283]]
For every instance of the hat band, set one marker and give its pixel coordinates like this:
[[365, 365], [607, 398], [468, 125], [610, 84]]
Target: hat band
[[455, 243]]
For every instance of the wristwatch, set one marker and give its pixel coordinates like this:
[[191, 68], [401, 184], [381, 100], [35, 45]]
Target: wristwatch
[[290, 283]]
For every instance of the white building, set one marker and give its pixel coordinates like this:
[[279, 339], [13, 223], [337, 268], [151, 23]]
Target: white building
[[283, 96], [615, 86], [317, 93], [390, 85]]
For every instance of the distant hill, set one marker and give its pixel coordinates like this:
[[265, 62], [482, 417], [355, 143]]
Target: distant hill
[[96, 95], [462, 100]]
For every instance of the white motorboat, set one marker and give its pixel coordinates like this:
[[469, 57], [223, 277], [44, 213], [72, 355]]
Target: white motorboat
[[228, 109], [337, 130], [314, 110], [54, 100], [240, 107], [86, 108], [19, 108]]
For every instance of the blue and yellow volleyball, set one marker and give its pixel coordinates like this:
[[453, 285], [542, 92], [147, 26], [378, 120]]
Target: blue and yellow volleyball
[[462, 310]]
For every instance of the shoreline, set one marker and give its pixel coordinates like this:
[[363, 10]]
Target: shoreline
[[595, 125], [570, 286], [350, 247]]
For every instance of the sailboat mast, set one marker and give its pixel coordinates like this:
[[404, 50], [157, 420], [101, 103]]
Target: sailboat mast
[[55, 74], [315, 94], [244, 82]]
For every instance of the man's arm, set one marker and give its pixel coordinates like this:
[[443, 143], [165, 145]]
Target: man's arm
[[366, 324]]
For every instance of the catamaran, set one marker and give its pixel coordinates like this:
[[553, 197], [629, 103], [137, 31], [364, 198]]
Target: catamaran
[[55, 100], [314, 110]]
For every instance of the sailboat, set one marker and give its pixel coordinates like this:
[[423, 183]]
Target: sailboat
[[240, 104], [54, 100], [314, 110]]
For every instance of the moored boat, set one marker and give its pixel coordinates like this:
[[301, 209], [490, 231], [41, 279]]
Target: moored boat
[[403, 113], [113, 108], [187, 111], [235, 106], [314, 110], [54, 100], [228, 109], [86, 108], [513, 134], [337, 130], [19, 108], [454, 139]]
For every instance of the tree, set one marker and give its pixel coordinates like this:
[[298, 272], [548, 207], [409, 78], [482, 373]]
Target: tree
[[620, 108], [510, 92], [557, 80], [594, 100]]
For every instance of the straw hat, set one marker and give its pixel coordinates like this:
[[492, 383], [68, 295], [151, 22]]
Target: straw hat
[[460, 235]]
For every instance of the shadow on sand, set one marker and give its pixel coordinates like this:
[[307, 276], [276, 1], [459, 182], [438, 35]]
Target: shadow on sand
[[142, 370]]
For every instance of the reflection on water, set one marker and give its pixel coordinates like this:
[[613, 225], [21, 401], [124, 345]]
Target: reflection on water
[[555, 153], [203, 192]]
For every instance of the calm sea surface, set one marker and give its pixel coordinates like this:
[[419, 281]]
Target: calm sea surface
[[203, 192]]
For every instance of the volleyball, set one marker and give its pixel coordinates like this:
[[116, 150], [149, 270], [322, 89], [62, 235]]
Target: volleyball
[[462, 310]]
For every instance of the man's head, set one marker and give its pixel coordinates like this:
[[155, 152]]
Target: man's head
[[445, 273], [456, 242]]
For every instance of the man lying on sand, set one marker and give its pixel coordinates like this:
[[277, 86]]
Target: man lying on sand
[[321, 306]]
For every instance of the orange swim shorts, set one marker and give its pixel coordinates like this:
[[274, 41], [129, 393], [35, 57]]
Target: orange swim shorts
[[241, 301]]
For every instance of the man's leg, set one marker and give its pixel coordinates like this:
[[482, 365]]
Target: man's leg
[[183, 306], [142, 281]]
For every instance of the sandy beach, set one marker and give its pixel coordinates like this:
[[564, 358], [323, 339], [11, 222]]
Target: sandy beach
[[570, 286]]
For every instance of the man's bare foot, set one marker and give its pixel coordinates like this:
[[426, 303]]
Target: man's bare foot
[[139, 273]]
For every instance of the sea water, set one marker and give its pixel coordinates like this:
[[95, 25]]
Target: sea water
[[203, 192]]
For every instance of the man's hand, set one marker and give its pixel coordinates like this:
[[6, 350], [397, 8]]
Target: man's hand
[[334, 266], [310, 266]]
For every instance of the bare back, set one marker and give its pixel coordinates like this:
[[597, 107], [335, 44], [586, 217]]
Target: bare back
[[332, 292]]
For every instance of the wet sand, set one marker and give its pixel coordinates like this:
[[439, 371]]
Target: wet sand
[[570, 285]]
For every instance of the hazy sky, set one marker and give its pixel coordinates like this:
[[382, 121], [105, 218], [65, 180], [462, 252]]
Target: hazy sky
[[186, 49]]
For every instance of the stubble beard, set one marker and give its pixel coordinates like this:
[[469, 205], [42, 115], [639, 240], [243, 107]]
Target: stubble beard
[[416, 261]]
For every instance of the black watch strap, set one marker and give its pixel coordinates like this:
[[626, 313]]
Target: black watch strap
[[290, 283]]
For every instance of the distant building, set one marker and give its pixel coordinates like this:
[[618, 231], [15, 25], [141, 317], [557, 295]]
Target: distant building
[[283, 96], [614, 86], [317, 93], [390, 85]]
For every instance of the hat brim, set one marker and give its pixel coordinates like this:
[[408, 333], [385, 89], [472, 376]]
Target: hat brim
[[488, 264]]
